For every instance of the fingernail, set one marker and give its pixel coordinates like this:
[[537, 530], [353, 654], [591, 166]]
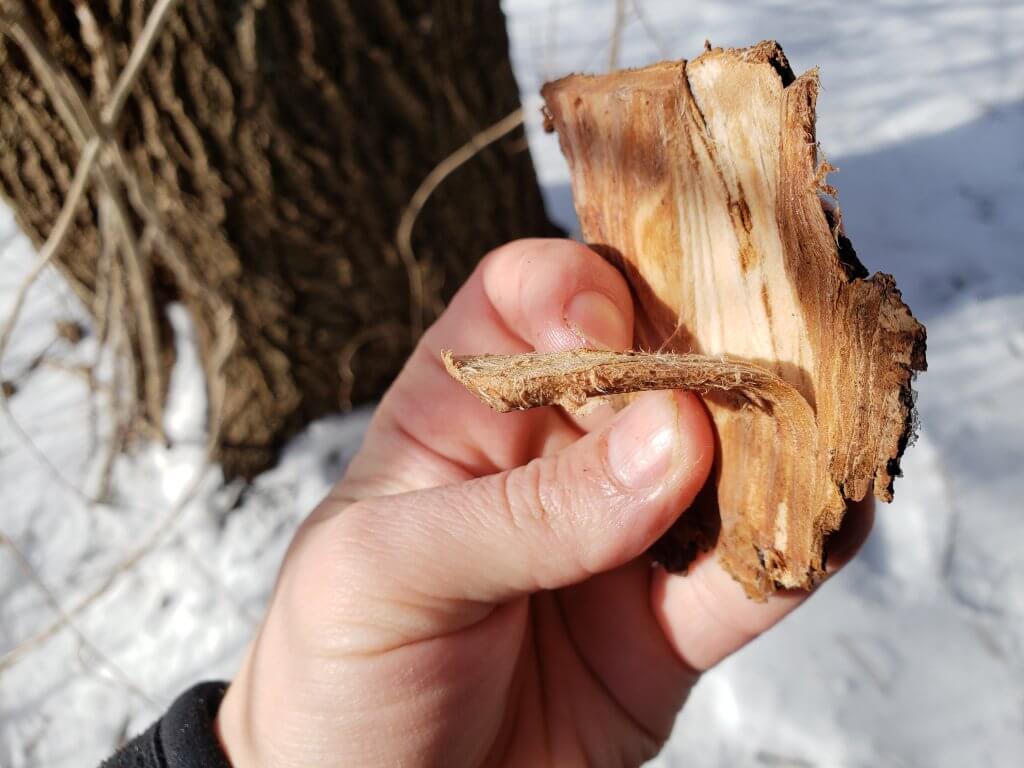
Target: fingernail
[[643, 439], [596, 318]]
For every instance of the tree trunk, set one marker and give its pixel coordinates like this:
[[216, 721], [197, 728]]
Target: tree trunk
[[272, 147]]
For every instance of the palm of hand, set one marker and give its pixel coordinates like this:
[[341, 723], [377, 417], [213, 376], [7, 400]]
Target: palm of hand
[[579, 676]]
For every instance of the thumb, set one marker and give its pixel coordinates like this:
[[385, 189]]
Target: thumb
[[556, 521]]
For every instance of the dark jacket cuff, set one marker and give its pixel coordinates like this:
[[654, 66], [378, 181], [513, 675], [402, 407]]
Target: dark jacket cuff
[[183, 738]]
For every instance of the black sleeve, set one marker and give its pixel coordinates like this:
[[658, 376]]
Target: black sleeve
[[183, 738]]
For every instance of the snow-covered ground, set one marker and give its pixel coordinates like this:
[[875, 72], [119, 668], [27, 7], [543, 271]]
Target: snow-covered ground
[[913, 656]]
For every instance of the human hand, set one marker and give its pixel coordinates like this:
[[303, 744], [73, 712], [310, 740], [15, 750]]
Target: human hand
[[474, 590]]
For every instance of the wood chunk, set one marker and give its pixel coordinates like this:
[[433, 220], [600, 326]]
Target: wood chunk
[[701, 181]]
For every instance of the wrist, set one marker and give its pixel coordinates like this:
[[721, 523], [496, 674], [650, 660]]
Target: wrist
[[232, 727]]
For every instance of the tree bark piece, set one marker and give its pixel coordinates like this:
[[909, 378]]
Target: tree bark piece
[[701, 181], [570, 379]]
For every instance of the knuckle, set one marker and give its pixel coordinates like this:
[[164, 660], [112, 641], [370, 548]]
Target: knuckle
[[331, 556], [711, 603], [503, 262], [335, 588], [539, 501], [527, 505]]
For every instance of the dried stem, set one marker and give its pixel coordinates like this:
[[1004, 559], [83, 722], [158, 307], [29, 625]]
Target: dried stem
[[15, 23], [150, 543], [74, 110], [219, 357], [54, 603], [649, 30], [98, 46], [403, 235], [617, 27], [46, 255], [94, 136], [54, 242], [140, 52]]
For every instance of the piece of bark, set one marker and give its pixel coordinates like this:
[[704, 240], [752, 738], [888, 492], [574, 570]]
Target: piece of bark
[[570, 379], [701, 181]]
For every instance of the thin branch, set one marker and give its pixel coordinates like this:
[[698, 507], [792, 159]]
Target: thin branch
[[136, 265], [79, 118], [54, 603], [652, 33], [140, 52], [220, 354], [150, 543], [617, 27], [111, 331], [56, 239], [16, 24], [137, 272], [37, 453], [49, 250], [403, 235], [140, 287], [98, 45], [81, 123]]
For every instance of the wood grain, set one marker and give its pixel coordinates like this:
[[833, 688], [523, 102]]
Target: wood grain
[[701, 181]]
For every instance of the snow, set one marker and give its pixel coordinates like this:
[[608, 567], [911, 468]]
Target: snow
[[912, 656]]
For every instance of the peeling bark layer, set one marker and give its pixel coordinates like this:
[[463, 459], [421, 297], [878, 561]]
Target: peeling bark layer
[[701, 181], [280, 142]]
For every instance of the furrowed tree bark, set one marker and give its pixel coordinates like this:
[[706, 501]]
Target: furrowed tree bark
[[701, 180], [278, 144]]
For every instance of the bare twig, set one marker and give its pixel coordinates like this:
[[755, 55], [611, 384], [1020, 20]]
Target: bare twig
[[102, 293], [94, 136], [37, 453], [72, 106], [137, 274], [80, 121], [98, 46], [403, 235], [15, 23], [113, 336], [617, 27], [47, 253], [652, 33], [220, 354], [136, 263], [217, 385], [140, 52], [150, 543], [56, 239], [54, 603]]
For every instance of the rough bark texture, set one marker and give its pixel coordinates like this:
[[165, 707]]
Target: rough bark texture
[[570, 379], [701, 181], [280, 142]]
